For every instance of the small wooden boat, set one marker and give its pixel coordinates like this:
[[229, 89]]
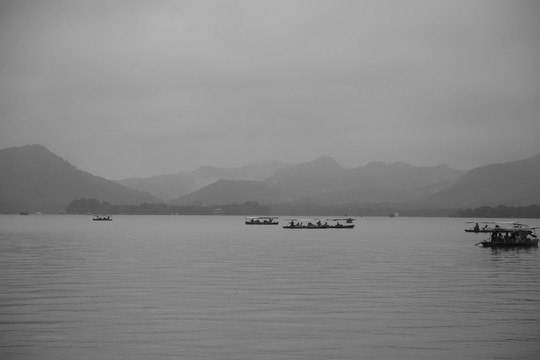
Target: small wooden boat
[[102, 218], [262, 220]]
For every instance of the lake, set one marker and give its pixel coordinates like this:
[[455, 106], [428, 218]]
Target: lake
[[210, 287]]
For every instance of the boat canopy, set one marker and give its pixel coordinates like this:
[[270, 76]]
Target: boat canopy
[[515, 230], [495, 222], [501, 224]]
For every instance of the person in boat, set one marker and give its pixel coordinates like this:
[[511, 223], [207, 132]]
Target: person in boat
[[291, 224], [319, 223], [496, 237], [476, 227]]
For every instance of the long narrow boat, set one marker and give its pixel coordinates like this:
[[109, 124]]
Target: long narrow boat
[[334, 223], [262, 220]]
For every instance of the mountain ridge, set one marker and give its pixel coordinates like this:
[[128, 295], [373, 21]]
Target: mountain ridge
[[32, 178], [171, 186], [224, 192], [512, 183]]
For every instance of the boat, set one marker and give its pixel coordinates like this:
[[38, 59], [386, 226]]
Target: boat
[[305, 224], [512, 236], [333, 223], [262, 220], [102, 218], [489, 226]]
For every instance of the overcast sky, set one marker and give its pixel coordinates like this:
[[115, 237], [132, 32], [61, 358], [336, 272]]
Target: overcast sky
[[140, 88]]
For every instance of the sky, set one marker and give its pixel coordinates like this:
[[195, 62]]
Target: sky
[[140, 88]]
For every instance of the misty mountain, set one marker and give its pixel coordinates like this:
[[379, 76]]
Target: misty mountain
[[34, 179], [513, 183], [402, 176], [172, 186], [322, 179], [232, 191], [318, 176], [326, 180]]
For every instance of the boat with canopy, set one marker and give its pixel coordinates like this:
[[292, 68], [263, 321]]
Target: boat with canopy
[[489, 226], [510, 235]]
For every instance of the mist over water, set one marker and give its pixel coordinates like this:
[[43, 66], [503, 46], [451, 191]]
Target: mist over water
[[209, 287]]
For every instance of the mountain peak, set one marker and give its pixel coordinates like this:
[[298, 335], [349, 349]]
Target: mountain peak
[[32, 178], [323, 163], [28, 149], [512, 183], [232, 191]]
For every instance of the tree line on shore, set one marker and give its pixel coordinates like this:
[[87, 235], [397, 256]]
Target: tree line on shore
[[501, 211], [95, 206]]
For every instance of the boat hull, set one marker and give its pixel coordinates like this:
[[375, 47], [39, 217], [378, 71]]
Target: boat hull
[[107, 218], [250, 223], [348, 226], [491, 244]]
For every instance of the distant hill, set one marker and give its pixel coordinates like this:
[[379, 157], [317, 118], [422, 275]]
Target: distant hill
[[232, 191], [326, 180], [515, 183], [318, 176], [172, 186], [402, 176], [34, 179], [321, 180]]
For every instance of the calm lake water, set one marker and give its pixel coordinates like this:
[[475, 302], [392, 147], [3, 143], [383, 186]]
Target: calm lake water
[[210, 287]]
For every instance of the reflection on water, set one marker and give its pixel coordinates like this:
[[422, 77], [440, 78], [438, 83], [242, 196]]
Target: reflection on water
[[164, 287]]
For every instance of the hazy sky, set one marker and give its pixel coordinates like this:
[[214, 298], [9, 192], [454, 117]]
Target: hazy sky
[[140, 88]]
